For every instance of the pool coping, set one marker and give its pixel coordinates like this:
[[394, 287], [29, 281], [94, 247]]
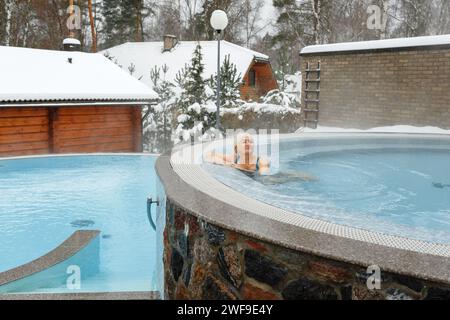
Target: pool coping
[[192, 188], [61, 155], [71, 246], [135, 295]]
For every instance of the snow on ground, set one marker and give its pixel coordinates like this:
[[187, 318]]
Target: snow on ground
[[389, 129]]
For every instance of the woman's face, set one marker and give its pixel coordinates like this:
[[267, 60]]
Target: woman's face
[[245, 144]]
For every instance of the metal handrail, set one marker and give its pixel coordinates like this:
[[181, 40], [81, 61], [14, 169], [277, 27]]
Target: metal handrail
[[150, 201]]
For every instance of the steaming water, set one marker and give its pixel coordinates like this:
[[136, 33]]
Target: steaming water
[[400, 189], [44, 200]]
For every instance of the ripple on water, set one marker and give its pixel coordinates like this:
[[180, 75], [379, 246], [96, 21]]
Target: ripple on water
[[402, 191]]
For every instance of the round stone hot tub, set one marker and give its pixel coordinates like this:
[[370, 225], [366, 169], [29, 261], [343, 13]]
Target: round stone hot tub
[[224, 238]]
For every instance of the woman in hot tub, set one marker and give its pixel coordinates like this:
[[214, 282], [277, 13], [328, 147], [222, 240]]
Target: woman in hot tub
[[244, 159]]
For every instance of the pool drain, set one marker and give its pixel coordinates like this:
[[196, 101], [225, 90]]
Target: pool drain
[[439, 185]]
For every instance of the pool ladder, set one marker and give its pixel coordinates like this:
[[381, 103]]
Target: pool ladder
[[311, 104], [150, 201]]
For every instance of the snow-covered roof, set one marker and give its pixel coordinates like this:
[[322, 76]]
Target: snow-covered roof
[[145, 55], [34, 76], [71, 41], [379, 44]]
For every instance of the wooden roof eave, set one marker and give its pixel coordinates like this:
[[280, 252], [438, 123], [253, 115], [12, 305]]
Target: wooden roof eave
[[75, 103]]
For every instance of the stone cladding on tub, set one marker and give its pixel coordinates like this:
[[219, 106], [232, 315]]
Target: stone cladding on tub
[[204, 261]]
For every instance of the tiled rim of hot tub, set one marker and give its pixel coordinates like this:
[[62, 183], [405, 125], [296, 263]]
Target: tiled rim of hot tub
[[192, 188]]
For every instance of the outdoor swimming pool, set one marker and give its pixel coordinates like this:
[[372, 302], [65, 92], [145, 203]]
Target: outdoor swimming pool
[[396, 186], [43, 200]]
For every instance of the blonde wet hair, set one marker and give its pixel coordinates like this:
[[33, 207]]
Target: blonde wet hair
[[239, 140]]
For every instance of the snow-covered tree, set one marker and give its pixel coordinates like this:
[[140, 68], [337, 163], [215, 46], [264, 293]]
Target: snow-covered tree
[[181, 76], [157, 119], [191, 81], [195, 84], [284, 68], [195, 112], [284, 99], [230, 82]]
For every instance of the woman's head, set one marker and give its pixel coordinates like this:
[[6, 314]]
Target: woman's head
[[244, 144]]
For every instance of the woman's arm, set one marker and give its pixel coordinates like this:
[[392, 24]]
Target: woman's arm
[[218, 158], [264, 166]]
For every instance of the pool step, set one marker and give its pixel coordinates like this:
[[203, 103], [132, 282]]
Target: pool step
[[28, 274]]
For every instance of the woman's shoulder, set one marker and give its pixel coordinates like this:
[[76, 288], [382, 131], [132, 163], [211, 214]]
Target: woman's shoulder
[[264, 161]]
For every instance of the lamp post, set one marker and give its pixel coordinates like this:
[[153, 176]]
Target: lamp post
[[219, 22]]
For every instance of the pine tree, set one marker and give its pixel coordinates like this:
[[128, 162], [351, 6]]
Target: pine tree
[[193, 85], [230, 82], [123, 20], [157, 120], [181, 76], [192, 103]]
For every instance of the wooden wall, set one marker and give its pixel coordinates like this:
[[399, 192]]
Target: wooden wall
[[265, 82], [26, 131]]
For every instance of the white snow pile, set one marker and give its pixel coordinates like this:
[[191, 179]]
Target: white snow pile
[[388, 129], [281, 98], [209, 106], [183, 118], [261, 108], [379, 44], [49, 75], [196, 134]]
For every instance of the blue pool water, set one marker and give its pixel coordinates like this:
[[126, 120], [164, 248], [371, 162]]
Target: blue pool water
[[400, 187], [44, 200]]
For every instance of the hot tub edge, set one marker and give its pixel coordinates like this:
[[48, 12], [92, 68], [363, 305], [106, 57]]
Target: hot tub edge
[[429, 272]]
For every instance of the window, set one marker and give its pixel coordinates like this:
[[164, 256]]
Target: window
[[252, 78]]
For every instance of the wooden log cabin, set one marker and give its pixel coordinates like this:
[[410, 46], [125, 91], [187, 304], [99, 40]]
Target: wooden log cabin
[[67, 102], [254, 68]]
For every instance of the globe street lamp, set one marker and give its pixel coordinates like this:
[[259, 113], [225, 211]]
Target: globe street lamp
[[219, 22]]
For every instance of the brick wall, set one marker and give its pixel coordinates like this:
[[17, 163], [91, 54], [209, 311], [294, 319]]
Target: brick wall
[[382, 88]]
